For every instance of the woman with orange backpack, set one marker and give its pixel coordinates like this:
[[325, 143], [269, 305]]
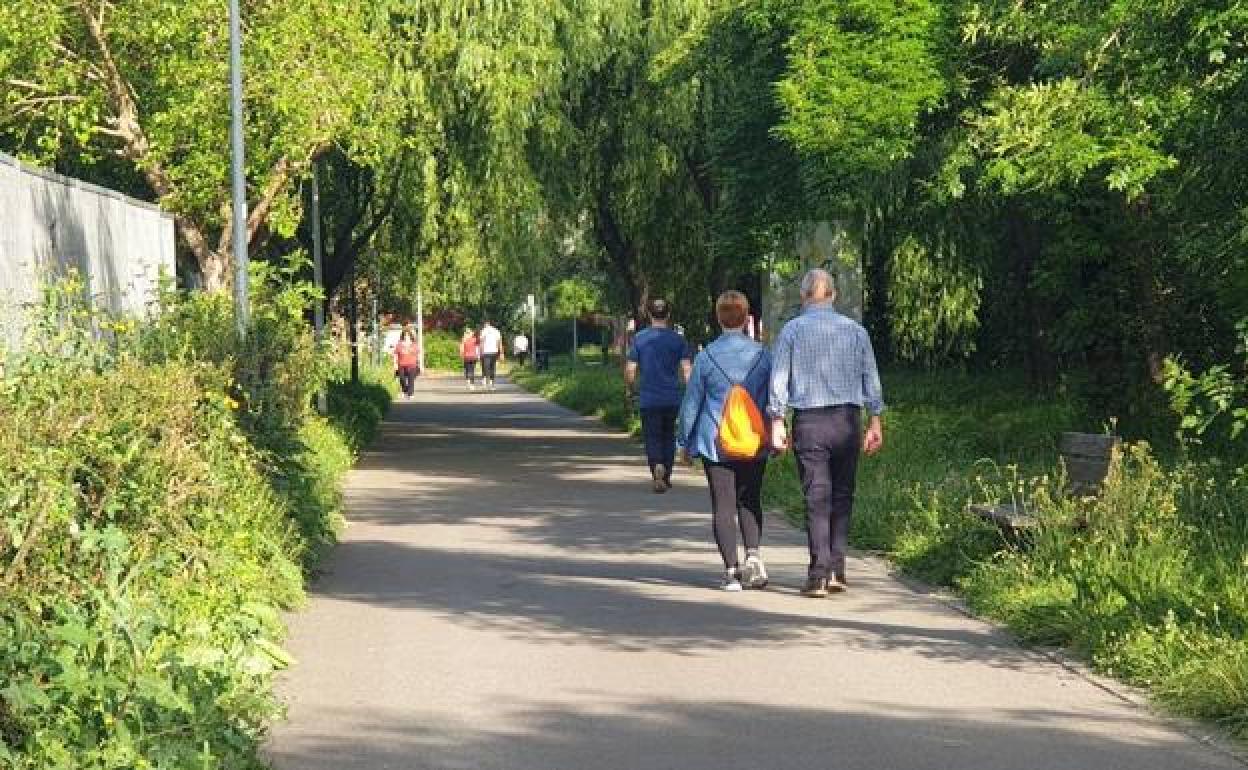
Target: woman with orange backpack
[[721, 421]]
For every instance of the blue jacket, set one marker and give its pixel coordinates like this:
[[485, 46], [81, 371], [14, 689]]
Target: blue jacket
[[734, 354]]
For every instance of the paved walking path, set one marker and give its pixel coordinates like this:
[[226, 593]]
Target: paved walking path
[[511, 596]]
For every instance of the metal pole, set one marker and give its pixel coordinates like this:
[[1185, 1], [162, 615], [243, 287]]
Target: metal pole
[[318, 278], [353, 331], [242, 309], [420, 323], [376, 312]]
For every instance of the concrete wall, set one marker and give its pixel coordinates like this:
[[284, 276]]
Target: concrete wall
[[50, 224], [818, 244]]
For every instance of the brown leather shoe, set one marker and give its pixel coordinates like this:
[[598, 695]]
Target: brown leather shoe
[[816, 588]]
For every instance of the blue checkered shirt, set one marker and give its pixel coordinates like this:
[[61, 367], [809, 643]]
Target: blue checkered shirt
[[822, 358]]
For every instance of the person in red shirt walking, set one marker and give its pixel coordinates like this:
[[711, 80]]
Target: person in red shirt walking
[[469, 353], [407, 361]]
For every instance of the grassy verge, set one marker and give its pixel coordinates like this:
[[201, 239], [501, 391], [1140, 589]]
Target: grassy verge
[[1151, 590], [593, 390]]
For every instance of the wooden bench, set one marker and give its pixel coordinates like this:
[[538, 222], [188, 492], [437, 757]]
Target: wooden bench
[[1087, 458]]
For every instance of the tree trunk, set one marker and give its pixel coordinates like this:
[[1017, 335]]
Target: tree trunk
[[214, 271], [877, 250], [1024, 241]]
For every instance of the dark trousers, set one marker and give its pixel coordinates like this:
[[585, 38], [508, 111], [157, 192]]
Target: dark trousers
[[522, 357], [658, 428], [489, 362], [470, 370], [736, 499], [827, 443], [407, 379]]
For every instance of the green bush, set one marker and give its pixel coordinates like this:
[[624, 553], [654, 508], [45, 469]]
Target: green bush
[[593, 390], [442, 350], [162, 491]]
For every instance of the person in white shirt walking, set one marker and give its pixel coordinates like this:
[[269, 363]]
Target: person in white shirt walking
[[520, 346], [491, 352]]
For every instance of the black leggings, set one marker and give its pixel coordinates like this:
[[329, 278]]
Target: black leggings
[[736, 497], [489, 361], [407, 378], [470, 369]]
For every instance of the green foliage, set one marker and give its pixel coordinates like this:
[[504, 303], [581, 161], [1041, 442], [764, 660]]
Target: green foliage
[[860, 76], [150, 534], [598, 391], [573, 297], [442, 350], [136, 96], [1152, 591], [1216, 396], [934, 306]]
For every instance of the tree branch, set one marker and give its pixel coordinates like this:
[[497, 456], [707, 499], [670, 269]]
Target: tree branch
[[134, 142]]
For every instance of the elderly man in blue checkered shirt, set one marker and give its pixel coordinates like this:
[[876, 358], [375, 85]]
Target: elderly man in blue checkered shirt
[[824, 370]]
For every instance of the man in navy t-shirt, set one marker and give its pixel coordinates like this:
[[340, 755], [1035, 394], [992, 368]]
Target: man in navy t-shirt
[[663, 358]]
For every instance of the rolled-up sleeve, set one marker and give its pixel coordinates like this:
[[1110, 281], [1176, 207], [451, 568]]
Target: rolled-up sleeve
[[872, 388], [781, 360]]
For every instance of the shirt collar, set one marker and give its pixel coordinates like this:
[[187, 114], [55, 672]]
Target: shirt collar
[[827, 306]]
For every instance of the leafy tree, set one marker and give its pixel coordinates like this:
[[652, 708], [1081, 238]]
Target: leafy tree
[[142, 86]]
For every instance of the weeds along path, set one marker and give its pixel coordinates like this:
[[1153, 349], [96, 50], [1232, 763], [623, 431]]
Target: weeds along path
[[511, 596]]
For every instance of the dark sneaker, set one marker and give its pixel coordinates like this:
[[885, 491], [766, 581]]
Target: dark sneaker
[[730, 582], [659, 474], [816, 588]]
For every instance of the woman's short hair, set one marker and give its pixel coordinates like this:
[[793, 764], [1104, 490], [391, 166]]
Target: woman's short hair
[[732, 309], [658, 309]]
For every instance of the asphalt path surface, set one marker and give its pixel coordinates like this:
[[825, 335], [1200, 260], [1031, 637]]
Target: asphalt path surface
[[510, 595]]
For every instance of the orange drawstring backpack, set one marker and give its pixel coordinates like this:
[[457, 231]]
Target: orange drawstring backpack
[[741, 433]]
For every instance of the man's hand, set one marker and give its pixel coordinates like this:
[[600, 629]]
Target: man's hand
[[873, 441], [779, 435]]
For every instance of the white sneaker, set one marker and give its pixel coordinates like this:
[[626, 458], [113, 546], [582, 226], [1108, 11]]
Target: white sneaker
[[753, 573], [729, 582]]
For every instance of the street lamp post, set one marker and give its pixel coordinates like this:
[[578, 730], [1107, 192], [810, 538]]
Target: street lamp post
[[318, 276], [238, 173]]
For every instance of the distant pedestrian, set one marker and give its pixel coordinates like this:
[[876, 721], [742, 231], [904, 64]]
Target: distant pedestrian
[[824, 369], [721, 421], [469, 353], [407, 361], [491, 352], [520, 346], [662, 358]]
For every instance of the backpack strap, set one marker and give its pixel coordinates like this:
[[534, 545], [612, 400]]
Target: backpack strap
[[757, 359]]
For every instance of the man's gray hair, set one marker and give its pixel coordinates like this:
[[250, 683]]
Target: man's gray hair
[[814, 278]]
